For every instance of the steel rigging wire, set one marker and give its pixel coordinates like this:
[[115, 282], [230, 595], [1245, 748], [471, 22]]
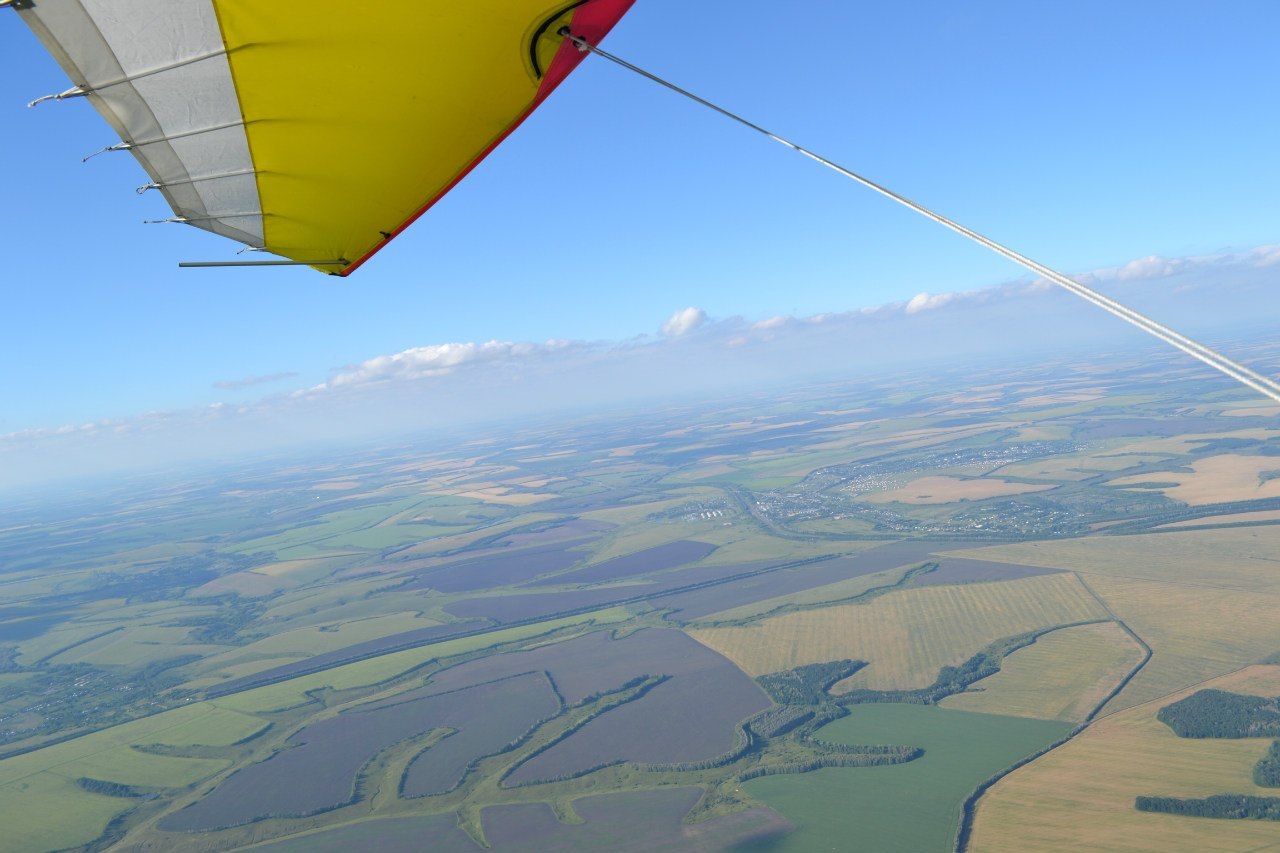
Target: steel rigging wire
[[1214, 359]]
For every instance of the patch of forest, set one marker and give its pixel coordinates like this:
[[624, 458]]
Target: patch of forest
[[1219, 714], [1228, 806]]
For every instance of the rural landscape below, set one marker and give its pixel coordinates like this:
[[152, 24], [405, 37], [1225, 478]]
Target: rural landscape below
[[883, 615]]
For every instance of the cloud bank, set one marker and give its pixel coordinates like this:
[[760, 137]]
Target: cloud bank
[[450, 385]]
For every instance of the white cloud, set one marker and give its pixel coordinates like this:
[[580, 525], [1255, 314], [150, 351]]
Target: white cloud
[[1265, 256], [470, 382], [1153, 266], [683, 322], [928, 302], [436, 360]]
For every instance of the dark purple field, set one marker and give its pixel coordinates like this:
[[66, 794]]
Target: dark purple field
[[648, 561], [957, 570], [631, 822], [318, 768], [500, 569], [702, 602], [582, 667], [688, 717]]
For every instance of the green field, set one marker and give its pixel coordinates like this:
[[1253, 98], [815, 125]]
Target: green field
[[913, 807]]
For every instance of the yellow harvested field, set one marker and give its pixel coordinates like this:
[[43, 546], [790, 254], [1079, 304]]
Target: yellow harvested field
[[1263, 410], [336, 486], [1246, 559], [1054, 399], [944, 490], [630, 449], [848, 427], [501, 496], [1186, 443], [1205, 601], [1061, 676], [908, 635], [1216, 479], [535, 482], [1076, 467], [288, 567], [1080, 796], [1236, 518], [912, 439], [248, 584], [1042, 432], [639, 511], [1195, 633]]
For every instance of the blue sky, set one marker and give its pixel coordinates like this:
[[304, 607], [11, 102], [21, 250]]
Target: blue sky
[[1085, 134]]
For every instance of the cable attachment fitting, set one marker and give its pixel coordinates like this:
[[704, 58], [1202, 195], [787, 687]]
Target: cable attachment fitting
[[73, 92], [580, 43], [119, 146]]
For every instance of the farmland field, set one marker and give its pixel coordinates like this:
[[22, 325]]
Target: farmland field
[[1063, 675], [943, 490], [913, 806], [318, 769], [960, 570], [633, 822], [347, 652], [375, 670], [1217, 479], [1126, 755], [693, 605], [708, 701], [1195, 633], [657, 559], [638, 821], [52, 812], [499, 570], [905, 635]]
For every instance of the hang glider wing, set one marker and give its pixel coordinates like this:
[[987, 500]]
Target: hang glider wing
[[314, 130]]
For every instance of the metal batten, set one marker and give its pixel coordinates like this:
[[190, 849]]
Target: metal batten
[[341, 262]]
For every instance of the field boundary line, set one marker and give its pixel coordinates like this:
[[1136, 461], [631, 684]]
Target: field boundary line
[[1146, 649], [76, 644], [969, 809]]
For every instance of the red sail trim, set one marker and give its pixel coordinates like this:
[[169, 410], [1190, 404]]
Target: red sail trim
[[592, 21]]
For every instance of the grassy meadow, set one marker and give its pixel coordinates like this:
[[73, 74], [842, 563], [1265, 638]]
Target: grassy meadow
[[913, 807]]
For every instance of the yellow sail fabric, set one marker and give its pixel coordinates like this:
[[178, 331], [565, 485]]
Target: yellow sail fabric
[[315, 130]]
